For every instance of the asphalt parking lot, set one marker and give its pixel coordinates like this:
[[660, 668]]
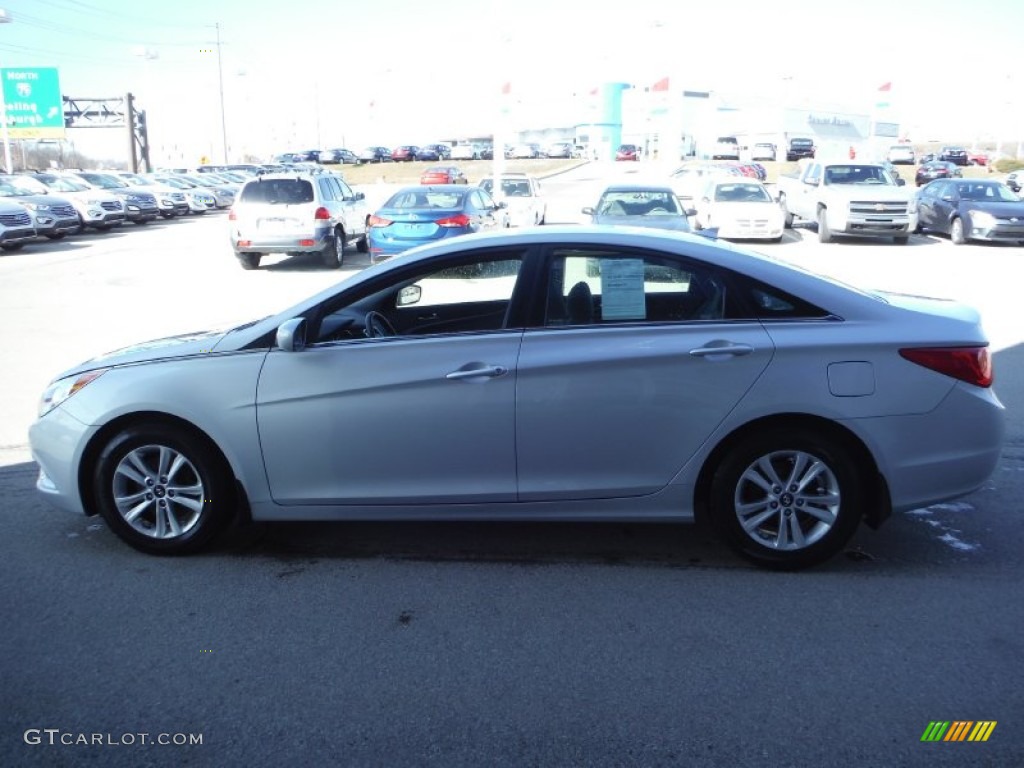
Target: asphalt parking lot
[[456, 644]]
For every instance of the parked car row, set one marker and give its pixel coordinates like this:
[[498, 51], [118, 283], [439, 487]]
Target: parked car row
[[54, 204]]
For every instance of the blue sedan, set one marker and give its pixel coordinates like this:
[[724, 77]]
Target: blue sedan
[[419, 215]]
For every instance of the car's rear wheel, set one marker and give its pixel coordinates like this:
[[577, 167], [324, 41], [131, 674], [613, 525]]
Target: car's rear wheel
[[333, 253], [12, 247], [56, 235], [788, 498], [901, 239], [824, 233], [956, 231], [363, 244], [163, 490], [249, 260]]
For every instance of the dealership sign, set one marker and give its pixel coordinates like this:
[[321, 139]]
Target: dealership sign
[[33, 103]]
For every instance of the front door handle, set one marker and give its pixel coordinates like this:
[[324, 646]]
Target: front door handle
[[721, 348], [489, 371]]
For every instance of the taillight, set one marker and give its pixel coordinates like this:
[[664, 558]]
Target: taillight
[[322, 214], [458, 220], [970, 364], [377, 221]]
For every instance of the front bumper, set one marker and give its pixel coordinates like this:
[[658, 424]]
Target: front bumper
[[17, 235], [58, 441], [48, 225]]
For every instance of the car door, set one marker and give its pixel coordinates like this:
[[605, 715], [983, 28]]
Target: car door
[[420, 417], [354, 207], [485, 210], [926, 199], [630, 370], [945, 204]]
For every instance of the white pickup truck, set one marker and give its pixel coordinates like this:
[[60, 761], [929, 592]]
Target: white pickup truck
[[849, 198]]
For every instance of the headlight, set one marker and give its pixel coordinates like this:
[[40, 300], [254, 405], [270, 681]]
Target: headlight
[[37, 206], [62, 389], [96, 202], [982, 219]]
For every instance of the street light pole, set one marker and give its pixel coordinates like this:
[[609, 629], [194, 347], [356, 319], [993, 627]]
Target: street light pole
[[5, 18], [220, 80]]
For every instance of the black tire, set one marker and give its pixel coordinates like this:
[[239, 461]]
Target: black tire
[[173, 514], [956, 231], [13, 247], [813, 463], [140, 222], [787, 218], [824, 233], [249, 260], [334, 252], [363, 244], [901, 239], [56, 235], [168, 215]]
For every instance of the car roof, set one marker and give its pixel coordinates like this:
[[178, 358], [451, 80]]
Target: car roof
[[639, 188]]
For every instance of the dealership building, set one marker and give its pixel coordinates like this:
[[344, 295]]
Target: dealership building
[[677, 123]]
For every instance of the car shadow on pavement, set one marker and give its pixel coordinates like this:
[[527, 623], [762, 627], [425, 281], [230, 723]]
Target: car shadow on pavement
[[310, 262]]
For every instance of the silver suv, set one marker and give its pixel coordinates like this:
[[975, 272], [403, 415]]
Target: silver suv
[[307, 212], [15, 226]]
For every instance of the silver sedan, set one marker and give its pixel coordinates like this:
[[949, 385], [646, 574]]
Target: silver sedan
[[556, 373]]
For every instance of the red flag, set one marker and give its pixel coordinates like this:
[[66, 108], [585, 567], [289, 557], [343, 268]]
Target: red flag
[[661, 85], [886, 87], [506, 88]]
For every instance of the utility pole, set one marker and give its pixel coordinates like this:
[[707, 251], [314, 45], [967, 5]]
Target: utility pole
[[220, 80]]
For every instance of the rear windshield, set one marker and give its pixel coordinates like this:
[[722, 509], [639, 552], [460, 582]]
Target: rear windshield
[[287, 191], [426, 199]]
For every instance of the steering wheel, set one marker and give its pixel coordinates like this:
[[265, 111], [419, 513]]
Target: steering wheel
[[658, 211], [378, 325]]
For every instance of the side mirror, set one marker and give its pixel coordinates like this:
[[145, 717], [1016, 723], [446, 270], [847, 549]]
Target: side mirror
[[502, 204], [291, 335], [409, 295], [359, 196], [690, 211], [589, 210], [900, 182]]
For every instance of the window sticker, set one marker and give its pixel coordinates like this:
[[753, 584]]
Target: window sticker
[[622, 289]]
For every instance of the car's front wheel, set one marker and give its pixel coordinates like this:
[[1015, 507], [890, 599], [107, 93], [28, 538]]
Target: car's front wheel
[[956, 231], [824, 233], [163, 490], [788, 498]]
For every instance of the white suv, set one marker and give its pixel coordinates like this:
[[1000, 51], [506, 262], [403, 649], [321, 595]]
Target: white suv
[[307, 212]]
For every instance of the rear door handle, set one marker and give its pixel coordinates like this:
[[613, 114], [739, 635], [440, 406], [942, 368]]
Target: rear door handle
[[489, 371], [722, 348]]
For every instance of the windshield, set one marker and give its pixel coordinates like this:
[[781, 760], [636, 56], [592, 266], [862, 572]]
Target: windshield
[[414, 199], [741, 193], [637, 203], [61, 184], [987, 192], [12, 188], [104, 181], [509, 187], [857, 174]]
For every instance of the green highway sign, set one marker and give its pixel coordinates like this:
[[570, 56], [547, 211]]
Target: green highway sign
[[33, 103]]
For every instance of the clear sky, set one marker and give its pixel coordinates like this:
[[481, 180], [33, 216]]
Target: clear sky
[[355, 72]]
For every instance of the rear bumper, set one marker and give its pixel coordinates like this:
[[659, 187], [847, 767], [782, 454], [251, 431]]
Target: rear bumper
[[941, 455], [285, 242]]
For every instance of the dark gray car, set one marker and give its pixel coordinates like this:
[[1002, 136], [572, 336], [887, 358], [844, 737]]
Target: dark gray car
[[638, 205]]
